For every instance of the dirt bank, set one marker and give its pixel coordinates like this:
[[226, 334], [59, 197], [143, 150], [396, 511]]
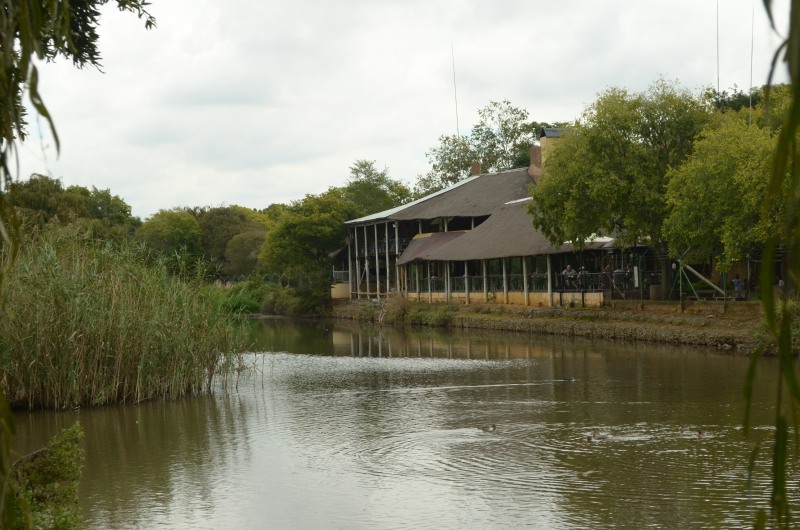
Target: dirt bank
[[731, 326]]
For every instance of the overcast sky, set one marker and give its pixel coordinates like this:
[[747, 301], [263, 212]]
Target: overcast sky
[[256, 102]]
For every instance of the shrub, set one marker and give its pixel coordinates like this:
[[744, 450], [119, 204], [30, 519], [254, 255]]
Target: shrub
[[46, 482]]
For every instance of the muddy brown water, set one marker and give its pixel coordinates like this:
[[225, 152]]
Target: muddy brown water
[[338, 426]]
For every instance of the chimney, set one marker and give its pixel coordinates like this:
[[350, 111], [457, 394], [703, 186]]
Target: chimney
[[548, 139], [535, 169], [475, 169]]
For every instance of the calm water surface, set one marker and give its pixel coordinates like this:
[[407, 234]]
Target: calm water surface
[[341, 427]]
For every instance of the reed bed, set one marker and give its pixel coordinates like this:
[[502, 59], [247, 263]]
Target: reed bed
[[89, 323]]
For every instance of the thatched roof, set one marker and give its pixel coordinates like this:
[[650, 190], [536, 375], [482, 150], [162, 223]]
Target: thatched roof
[[472, 197], [506, 233], [423, 246]]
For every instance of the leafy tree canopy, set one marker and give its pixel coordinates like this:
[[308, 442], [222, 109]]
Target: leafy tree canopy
[[242, 250], [172, 231], [500, 140], [735, 99], [44, 199], [371, 190], [307, 233], [715, 198], [219, 225], [610, 172]]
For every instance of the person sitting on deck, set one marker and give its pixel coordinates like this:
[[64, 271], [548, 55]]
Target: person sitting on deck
[[569, 277]]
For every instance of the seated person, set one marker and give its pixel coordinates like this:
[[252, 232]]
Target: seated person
[[568, 275]]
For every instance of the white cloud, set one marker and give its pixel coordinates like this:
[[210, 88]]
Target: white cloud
[[258, 102]]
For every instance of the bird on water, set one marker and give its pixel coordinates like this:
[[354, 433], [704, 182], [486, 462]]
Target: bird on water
[[489, 428]]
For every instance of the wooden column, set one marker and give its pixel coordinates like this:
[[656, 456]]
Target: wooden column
[[349, 267], [549, 283], [505, 281], [377, 264], [388, 261], [485, 281], [525, 279], [358, 264]]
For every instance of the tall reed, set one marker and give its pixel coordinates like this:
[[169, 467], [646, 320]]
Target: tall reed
[[91, 323]]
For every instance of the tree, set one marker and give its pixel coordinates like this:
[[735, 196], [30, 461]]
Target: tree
[[715, 198], [172, 231], [500, 140], [218, 226], [306, 235], [609, 174], [734, 100], [450, 162], [370, 190], [241, 252], [501, 135]]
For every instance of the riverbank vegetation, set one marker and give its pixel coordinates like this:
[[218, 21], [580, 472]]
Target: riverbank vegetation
[[46, 482], [92, 322]]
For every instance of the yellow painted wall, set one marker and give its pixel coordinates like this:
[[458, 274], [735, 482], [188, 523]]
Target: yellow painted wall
[[340, 291], [537, 299]]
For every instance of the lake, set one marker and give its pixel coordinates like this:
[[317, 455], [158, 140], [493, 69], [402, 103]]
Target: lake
[[341, 426]]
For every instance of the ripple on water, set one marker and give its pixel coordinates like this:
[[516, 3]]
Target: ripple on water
[[390, 421]]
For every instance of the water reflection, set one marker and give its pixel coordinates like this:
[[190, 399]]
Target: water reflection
[[342, 426]]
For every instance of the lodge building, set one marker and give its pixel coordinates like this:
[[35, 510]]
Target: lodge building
[[474, 242]]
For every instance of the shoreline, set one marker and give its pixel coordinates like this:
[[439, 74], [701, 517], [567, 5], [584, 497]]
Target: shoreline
[[734, 326]]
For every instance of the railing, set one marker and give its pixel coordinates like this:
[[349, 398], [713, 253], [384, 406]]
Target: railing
[[618, 282], [369, 250]]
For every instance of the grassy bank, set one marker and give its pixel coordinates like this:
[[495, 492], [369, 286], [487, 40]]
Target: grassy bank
[[90, 323], [735, 326]]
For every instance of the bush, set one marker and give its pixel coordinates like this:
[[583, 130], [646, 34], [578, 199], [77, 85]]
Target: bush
[[46, 482], [243, 298], [396, 310], [436, 316]]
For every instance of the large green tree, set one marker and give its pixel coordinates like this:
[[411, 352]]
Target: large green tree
[[715, 198], [219, 225], [173, 231], [500, 140], [42, 199], [307, 233], [370, 190], [609, 173]]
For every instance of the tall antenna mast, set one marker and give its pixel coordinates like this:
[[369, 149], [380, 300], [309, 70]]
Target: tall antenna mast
[[752, 23], [717, 47], [455, 92]]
